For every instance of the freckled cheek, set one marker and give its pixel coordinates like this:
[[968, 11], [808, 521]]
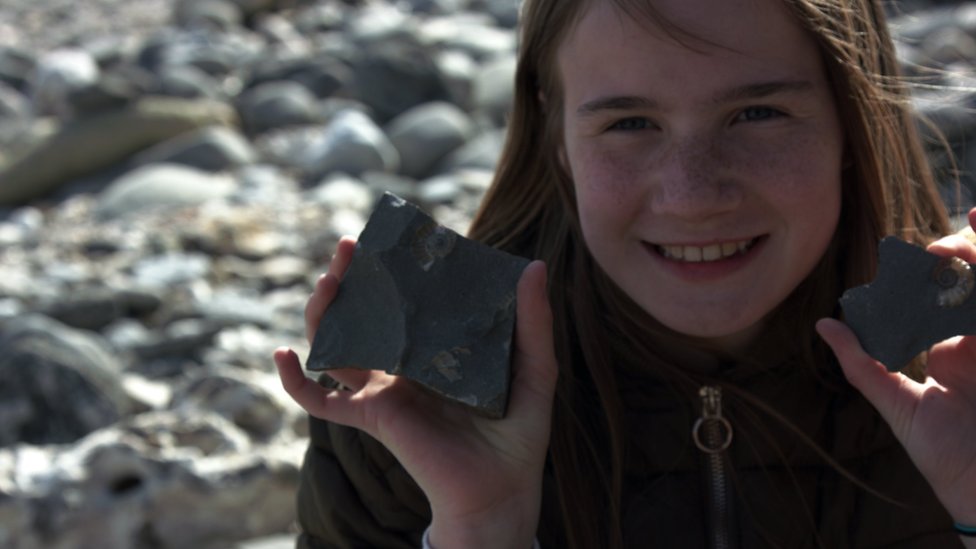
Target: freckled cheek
[[604, 180], [608, 196], [791, 170]]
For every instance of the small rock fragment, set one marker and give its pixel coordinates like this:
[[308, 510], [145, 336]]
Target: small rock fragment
[[420, 301], [917, 299]]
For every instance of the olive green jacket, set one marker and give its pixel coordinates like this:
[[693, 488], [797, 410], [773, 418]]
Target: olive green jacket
[[781, 492]]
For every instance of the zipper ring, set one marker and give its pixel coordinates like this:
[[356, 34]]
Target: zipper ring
[[711, 448]]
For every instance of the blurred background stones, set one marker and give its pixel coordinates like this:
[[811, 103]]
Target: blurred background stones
[[174, 174]]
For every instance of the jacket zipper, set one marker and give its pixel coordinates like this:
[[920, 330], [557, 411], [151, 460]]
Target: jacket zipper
[[712, 434]]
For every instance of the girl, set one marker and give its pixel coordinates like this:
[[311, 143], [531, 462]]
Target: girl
[[700, 180]]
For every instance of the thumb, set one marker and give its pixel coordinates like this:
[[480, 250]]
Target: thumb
[[534, 360], [886, 391]]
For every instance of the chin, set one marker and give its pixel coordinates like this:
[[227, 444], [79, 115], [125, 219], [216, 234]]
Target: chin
[[725, 336]]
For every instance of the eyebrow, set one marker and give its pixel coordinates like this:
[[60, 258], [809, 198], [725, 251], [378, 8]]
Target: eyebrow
[[739, 93], [615, 103], [764, 89]]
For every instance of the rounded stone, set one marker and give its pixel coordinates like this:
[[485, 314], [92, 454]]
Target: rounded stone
[[59, 383], [426, 134], [275, 105]]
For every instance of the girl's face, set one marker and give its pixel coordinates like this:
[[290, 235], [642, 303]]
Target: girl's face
[[708, 175]]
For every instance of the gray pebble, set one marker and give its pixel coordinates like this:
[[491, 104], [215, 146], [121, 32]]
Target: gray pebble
[[275, 105], [161, 186], [494, 88], [343, 192], [13, 104], [351, 143], [16, 67], [481, 152], [396, 73], [168, 270], [58, 74], [425, 134], [59, 383], [187, 274], [212, 149]]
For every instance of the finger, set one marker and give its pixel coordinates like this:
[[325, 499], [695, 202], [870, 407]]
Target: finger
[[534, 379], [343, 256], [306, 392], [328, 404], [954, 245], [350, 378], [890, 393], [953, 373], [326, 288]]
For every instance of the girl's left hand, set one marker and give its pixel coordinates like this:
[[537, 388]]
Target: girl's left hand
[[935, 421]]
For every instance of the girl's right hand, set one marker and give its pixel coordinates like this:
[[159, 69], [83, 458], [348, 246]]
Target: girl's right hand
[[482, 477]]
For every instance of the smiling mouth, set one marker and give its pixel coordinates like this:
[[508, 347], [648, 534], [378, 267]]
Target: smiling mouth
[[703, 254]]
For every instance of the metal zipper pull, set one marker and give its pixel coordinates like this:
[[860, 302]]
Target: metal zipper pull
[[712, 434], [718, 435]]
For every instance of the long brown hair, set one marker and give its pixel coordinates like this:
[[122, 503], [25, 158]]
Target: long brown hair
[[530, 209]]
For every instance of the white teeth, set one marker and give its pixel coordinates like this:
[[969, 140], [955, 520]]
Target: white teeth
[[712, 252]]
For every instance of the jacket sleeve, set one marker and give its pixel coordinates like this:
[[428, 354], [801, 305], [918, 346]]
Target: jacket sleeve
[[354, 494]]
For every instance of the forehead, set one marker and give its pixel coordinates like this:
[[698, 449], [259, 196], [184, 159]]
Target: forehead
[[701, 17], [643, 36], [691, 19]]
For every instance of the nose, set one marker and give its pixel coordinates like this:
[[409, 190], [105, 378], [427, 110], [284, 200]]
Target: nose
[[693, 178]]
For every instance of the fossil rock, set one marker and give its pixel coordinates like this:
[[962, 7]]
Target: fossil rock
[[422, 302], [916, 300]]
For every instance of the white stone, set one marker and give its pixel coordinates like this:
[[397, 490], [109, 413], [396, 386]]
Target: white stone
[[161, 186], [56, 76], [351, 143]]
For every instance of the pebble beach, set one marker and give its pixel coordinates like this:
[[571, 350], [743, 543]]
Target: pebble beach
[[174, 176]]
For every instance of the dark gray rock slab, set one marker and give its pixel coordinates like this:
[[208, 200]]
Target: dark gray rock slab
[[917, 299], [422, 302]]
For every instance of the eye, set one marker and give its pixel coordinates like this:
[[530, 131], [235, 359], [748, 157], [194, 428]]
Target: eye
[[631, 124], [756, 114]]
